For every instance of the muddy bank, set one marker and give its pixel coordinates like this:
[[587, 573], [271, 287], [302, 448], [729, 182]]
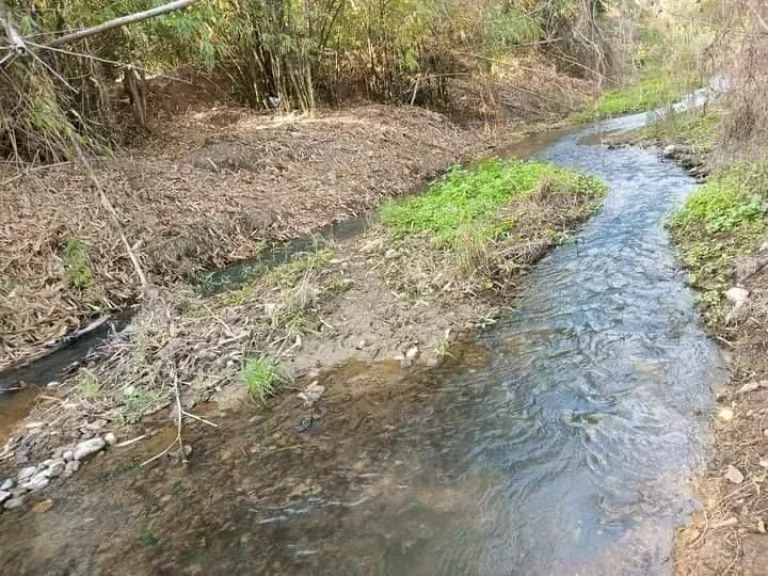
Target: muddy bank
[[208, 190], [382, 296]]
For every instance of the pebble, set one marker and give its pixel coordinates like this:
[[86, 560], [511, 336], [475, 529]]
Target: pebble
[[14, 503], [737, 295], [26, 473], [734, 475], [37, 482], [42, 507], [54, 384], [725, 415], [110, 438], [8, 484], [4, 496], [312, 394], [88, 448], [71, 468], [68, 455], [57, 468]]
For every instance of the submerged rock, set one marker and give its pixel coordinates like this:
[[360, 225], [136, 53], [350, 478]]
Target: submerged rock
[[14, 503], [88, 448]]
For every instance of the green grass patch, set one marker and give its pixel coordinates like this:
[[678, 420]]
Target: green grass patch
[[77, 272], [699, 129], [723, 220], [262, 376], [648, 94], [470, 200]]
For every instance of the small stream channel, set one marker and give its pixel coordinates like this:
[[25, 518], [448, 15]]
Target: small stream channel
[[570, 448], [566, 450]]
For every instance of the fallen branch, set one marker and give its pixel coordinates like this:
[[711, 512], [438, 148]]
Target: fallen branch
[[179, 418], [119, 22]]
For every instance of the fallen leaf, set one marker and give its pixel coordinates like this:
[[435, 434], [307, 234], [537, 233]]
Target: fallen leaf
[[43, 506]]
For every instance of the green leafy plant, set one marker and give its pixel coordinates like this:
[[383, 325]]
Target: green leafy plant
[[76, 269], [262, 376]]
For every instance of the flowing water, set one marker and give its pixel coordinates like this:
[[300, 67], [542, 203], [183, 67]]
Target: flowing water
[[565, 449]]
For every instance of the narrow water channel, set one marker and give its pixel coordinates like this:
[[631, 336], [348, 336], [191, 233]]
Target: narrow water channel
[[564, 450]]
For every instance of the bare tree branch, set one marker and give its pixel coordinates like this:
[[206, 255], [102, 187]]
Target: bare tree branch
[[121, 21], [17, 44]]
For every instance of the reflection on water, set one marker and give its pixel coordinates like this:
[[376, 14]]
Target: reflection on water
[[565, 450]]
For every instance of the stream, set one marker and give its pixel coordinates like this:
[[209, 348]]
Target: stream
[[564, 447]]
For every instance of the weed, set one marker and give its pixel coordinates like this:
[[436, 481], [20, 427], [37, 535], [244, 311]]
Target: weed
[[179, 489], [443, 348], [77, 272], [147, 539], [262, 376], [136, 402], [472, 198], [88, 386]]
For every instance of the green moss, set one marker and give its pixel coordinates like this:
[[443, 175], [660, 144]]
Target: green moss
[[700, 129], [467, 199]]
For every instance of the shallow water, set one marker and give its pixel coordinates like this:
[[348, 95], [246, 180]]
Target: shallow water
[[564, 449], [568, 451]]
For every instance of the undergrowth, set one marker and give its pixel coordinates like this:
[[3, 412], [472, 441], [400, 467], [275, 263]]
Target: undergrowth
[[652, 92], [262, 376], [475, 228], [723, 220], [699, 129]]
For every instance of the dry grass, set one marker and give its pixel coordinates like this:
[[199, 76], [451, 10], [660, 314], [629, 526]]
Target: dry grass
[[204, 342], [200, 197]]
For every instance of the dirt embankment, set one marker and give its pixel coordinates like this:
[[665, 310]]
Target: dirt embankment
[[208, 192]]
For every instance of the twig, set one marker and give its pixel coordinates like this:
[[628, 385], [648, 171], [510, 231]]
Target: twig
[[131, 441], [121, 21], [108, 206], [179, 418], [199, 418]]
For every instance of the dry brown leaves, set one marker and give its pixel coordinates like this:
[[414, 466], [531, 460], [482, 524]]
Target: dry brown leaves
[[197, 196]]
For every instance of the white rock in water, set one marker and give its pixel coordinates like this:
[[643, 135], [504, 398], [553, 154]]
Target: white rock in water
[[737, 295], [725, 415], [7, 485], [26, 473], [37, 482], [56, 468], [110, 438], [13, 503], [4, 496], [89, 448], [670, 151]]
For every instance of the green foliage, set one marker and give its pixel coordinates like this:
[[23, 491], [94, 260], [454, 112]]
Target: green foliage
[[700, 129], [721, 221], [467, 200], [137, 401], [649, 94], [77, 272], [262, 376], [734, 198]]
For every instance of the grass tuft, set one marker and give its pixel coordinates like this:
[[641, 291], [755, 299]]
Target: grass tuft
[[262, 376], [77, 272]]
